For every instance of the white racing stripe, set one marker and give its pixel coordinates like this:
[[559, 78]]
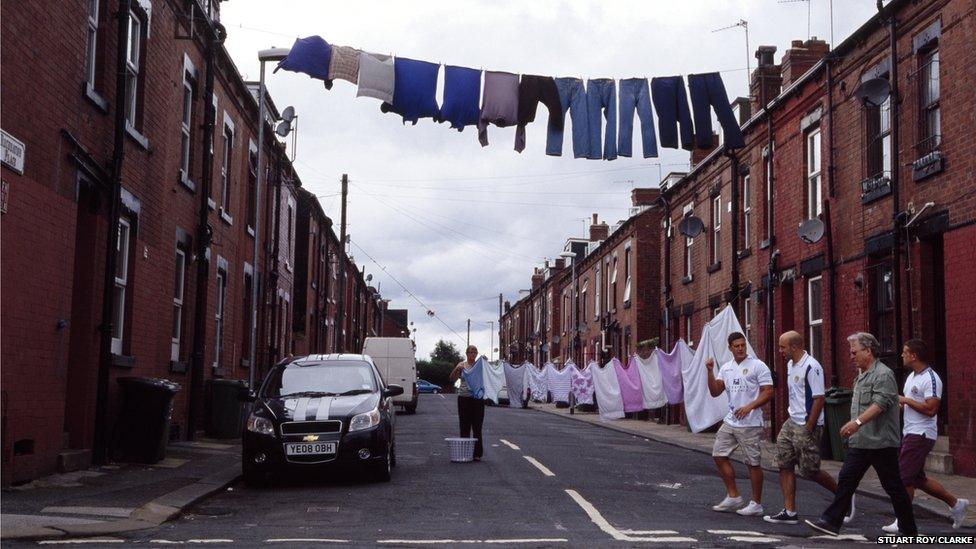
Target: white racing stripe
[[325, 406], [545, 470], [301, 409], [470, 541], [616, 534], [509, 444]]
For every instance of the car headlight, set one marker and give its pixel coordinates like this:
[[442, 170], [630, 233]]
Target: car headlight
[[365, 420], [260, 425]]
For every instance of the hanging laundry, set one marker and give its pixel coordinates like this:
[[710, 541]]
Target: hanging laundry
[[601, 97], [515, 384], [462, 89], [652, 385], [344, 64], [631, 392], [572, 98], [708, 90], [474, 377], [414, 90], [583, 383], [377, 76], [671, 365], [701, 409], [309, 55], [532, 91], [500, 103], [560, 382], [606, 385], [538, 384], [494, 379], [636, 95], [671, 104]]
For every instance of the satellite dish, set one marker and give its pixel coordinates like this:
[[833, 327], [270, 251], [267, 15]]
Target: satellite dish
[[544, 348], [283, 128], [369, 277], [691, 226], [811, 230], [288, 114], [555, 340], [873, 92]]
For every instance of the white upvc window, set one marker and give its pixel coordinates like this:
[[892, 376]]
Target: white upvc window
[[611, 278], [225, 168], [688, 243], [548, 311], [627, 274], [746, 211], [815, 316], [747, 321], [586, 283], [186, 127], [612, 289], [688, 334], [219, 316], [121, 284], [716, 229], [813, 179], [597, 304], [179, 286], [91, 54], [132, 67]]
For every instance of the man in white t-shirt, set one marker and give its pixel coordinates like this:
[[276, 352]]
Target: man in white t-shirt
[[749, 385], [923, 394], [798, 442]]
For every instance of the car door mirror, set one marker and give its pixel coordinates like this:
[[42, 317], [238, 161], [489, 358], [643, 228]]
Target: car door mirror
[[392, 391]]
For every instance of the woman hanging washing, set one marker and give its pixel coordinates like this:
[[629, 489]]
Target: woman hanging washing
[[471, 408]]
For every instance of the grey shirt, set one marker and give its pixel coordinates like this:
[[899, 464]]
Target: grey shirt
[[463, 389], [876, 386]]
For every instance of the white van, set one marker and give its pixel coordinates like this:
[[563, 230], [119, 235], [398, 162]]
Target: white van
[[396, 360]]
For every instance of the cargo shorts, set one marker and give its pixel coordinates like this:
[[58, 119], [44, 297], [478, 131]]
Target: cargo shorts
[[748, 439], [795, 446]]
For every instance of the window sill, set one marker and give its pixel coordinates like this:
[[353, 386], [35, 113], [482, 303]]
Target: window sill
[[121, 361], [767, 243], [688, 279], [250, 231], [714, 267], [745, 253], [928, 165], [226, 217], [177, 367], [95, 98], [140, 139], [186, 182], [211, 204]]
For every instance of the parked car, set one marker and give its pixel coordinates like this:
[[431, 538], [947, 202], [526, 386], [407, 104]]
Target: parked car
[[396, 360], [424, 386], [321, 411]]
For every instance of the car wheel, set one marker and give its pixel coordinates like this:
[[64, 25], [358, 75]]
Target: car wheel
[[383, 468]]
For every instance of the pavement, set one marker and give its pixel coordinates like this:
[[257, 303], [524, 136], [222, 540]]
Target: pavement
[[545, 481], [118, 498], [679, 435]]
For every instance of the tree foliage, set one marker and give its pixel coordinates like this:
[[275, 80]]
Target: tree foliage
[[443, 359]]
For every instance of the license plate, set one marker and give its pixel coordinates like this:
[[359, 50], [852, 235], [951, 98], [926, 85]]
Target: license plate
[[310, 448]]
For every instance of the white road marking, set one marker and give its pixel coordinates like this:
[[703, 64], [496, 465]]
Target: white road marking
[[305, 540], [440, 395], [509, 444], [120, 512], [545, 470], [210, 541], [470, 541], [647, 532], [616, 534], [79, 541], [843, 537], [754, 539], [735, 532]]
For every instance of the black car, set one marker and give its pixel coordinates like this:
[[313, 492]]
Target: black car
[[321, 411]]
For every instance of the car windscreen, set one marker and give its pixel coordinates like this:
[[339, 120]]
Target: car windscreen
[[330, 378]]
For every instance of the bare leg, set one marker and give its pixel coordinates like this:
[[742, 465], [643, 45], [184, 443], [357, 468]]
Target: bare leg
[[727, 473], [935, 489], [787, 481], [756, 479], [822, 478]]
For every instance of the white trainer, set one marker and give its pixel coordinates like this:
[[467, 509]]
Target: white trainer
[[850, 516], [728, 504], [959, 513], [754, 509], [890, 528]]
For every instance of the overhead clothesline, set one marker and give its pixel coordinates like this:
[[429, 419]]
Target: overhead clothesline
[[408, 87]]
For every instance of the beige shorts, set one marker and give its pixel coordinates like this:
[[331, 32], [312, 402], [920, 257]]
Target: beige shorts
[[795, 446], [749, 439]]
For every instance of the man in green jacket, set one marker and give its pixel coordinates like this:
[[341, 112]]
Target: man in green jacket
[[873, 437]]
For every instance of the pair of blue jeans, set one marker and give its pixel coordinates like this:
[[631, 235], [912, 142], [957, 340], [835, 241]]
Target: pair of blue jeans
[[671, 103], [707, 90], [636, 95], [601, 98], [572, 98]]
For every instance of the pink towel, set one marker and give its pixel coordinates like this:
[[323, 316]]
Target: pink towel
[[630, 385]]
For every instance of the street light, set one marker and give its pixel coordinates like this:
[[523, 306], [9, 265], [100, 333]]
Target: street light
[[272, 54], [571, 257]]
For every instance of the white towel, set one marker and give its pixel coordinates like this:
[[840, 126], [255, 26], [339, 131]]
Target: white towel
[[494, 380], [560, 382], [515, 384], [651, 383], [607, 388]]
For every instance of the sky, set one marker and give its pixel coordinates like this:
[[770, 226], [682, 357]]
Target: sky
[[432, 213]]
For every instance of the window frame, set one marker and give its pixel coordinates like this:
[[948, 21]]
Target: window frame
[[219, 313], [715, 244], [689, 329], [186, 126], [179, 295], [815, 325], [929, 138], [627, 284], [812, 172], [135, 50], [747, 317], [746, 211], [91, 55], [226, 169], [121, 284]]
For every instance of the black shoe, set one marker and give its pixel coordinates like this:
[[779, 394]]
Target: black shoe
[[823, 527], [783, 517]]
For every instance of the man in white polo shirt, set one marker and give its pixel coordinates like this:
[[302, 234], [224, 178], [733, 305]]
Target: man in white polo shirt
[[749, 385], [923, 394]]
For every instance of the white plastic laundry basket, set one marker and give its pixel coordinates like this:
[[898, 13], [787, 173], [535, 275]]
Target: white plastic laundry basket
[[462, 449]]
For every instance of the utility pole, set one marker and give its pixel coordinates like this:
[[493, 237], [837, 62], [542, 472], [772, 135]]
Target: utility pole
[[469, 334], [341, 347]]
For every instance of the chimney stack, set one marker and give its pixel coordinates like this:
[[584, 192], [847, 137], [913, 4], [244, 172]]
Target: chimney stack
[[508, 306], [644, 197], [697, 155], [801, 57], [598, 231], [536, 279], [767, 81], [560, 264]]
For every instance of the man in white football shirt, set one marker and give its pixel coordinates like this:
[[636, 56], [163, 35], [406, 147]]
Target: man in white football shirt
[[749, 385]]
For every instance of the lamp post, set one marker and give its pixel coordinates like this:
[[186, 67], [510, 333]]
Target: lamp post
[[571, 257], [491, 345], [272, 54]]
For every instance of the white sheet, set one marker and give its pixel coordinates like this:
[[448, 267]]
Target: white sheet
[[560, 382], [582, 381], [607, 388], [652, 384], [701, 409], [514, 384], [538, 385], [494, 380]]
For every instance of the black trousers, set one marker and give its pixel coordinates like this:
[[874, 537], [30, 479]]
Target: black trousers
[[471, 414], [885, 463]]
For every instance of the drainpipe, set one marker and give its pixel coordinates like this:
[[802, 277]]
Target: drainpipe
[[895, 202], [100, 448], [770, 279], [666, 204], [275, 351], [734, 286], [828, 222]]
